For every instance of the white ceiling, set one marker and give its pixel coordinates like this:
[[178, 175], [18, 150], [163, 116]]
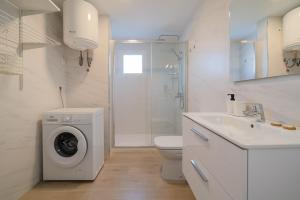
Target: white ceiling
[[246, 13], [146, 19]]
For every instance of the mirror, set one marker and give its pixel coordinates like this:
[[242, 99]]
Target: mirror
[[264, 38]]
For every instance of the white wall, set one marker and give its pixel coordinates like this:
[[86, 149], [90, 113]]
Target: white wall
[[275, 46], [247, 61], [21, 112], [209, 70], [91, 89], [208, 75]]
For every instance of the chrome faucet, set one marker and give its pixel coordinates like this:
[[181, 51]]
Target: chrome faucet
[[255, 110]]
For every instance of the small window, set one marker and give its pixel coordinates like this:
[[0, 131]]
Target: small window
[[133, 64]]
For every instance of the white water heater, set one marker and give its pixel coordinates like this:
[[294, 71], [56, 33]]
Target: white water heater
[[80, 20], [291, 30]]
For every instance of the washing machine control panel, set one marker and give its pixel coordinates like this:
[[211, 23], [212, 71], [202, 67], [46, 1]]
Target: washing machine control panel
[[59, 119], [67, 119]]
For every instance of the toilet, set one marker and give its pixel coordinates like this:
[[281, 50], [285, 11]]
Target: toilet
[[170, 147]]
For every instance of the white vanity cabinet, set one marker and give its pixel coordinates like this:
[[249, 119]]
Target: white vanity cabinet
[[217, 169]]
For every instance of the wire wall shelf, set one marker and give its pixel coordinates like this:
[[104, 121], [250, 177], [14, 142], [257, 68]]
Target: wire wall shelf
[[32, 7], [35, 39], [10, 44], [17, 36]]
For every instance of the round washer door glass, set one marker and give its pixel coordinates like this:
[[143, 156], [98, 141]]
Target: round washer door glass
[[66, 146]]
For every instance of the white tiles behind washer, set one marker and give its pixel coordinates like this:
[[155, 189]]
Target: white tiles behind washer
[[21, 111]]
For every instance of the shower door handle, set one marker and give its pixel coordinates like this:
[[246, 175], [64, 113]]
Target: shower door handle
[[180, 96]]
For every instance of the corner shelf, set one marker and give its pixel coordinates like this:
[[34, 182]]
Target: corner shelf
[[32, 7]]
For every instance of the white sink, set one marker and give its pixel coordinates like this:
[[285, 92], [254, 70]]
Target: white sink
[[246, 132]]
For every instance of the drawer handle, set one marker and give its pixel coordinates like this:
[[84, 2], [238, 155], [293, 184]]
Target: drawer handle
[[202, 136], [199, 171]]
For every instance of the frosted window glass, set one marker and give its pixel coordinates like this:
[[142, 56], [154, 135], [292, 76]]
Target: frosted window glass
[[133, 64]]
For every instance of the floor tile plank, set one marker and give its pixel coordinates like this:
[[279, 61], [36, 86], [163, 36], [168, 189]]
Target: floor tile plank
[[129, 174]]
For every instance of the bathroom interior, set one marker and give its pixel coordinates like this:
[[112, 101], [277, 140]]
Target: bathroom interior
[[149, 100]]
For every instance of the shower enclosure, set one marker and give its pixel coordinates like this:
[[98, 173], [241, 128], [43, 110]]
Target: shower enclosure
[[148, 91]]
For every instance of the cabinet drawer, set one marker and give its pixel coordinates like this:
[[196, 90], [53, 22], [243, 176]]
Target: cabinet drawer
[[197, 139], [202, 183], [226, 162]]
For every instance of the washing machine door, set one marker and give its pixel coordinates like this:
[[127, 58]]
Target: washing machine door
[[66, 146]]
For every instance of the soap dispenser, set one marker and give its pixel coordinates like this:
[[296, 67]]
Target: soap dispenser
[[230, 103]]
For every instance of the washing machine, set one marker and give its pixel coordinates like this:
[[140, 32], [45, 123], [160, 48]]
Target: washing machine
[[73, 143]]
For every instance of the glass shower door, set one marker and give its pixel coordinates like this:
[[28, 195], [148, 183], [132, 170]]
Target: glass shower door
[[131, 95], [148, 92], [167, 88]]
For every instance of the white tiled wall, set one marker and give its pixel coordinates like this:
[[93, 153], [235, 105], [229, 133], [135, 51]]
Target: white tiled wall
[[208, 74], [21, 112], [45, 69]]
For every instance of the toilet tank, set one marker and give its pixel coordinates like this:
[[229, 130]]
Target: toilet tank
[[80, 21], [291, 30]]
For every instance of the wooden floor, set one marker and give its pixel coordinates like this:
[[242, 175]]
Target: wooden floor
[[130, 174]]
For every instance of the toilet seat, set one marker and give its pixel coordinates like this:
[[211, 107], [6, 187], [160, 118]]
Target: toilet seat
[[168, 142]]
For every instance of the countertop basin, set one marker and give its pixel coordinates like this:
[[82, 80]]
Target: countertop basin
[[246, 132]]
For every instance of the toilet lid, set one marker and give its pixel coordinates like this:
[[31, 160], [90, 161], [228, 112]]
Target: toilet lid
[[168, 142]]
